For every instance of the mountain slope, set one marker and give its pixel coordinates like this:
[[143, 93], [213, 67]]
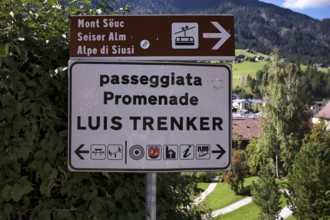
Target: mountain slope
[[258, 25]]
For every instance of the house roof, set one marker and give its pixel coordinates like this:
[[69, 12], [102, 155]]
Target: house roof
[[324, 113], [246, 127]]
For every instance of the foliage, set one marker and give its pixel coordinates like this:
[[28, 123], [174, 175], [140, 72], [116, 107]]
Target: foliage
[[266, 193], [316, 83], [235, 176], [287, 109], [256, 154], [34, 180], [206, 177], [309, 180], [174, 197], [258, 82], [285, 117]]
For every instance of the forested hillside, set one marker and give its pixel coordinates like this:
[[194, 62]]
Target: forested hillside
[[258, 25]]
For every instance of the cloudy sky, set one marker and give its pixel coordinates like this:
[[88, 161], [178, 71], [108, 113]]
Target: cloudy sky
[[315, 8]]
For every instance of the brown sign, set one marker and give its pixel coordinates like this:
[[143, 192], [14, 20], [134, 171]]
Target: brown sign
[[193, 37]]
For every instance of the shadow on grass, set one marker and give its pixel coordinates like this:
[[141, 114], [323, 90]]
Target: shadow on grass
[[199, 190], [246, 191]]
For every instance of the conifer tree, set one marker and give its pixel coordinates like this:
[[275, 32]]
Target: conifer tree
[[309, 180], [266, 194]]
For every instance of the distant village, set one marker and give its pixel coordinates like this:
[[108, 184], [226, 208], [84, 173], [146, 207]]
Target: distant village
[[246, 117], [246, 112]]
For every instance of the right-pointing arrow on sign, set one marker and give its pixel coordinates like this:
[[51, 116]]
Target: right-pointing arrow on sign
[[221, 151], [223, 35]]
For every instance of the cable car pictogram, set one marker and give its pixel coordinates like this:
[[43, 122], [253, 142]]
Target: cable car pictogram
[[184, 40]]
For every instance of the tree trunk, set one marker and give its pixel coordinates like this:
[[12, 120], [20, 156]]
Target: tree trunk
[[276, 166]]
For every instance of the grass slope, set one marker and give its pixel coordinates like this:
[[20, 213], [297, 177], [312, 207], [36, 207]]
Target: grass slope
[[242, 70], [248, 212], [203, 186], [223, 196]]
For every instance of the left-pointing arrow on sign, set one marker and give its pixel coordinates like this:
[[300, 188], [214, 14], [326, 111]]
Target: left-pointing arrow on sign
[[78, 151], [221, 151], [223, 35]]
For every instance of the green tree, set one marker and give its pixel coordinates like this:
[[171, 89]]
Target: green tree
[[34, 180], [235, 176], [266, 193], [309, 179], [285, 116], [317, 83], [256, 154]]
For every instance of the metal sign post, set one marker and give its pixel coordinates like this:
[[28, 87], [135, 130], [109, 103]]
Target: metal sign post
[[151, 191]]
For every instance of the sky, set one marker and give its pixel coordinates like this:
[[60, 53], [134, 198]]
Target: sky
[[318, 9]]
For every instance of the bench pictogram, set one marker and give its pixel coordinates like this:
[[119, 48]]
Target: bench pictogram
[[98, 152]]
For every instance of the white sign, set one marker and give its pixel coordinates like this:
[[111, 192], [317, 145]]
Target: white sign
[[149, 117]]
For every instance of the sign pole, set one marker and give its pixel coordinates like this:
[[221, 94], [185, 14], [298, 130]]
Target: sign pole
[[151, 196]]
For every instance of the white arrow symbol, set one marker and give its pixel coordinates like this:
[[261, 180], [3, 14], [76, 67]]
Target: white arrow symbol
[[223, 35]]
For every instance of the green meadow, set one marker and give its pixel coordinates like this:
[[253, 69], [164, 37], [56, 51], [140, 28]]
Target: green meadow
[[223, 196], [243, 69]]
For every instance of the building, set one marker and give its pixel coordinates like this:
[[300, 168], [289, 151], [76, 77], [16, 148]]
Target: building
[[246, 103], [323, 115], [244, 128], [316, 107], [234, 96], [241, 104]]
